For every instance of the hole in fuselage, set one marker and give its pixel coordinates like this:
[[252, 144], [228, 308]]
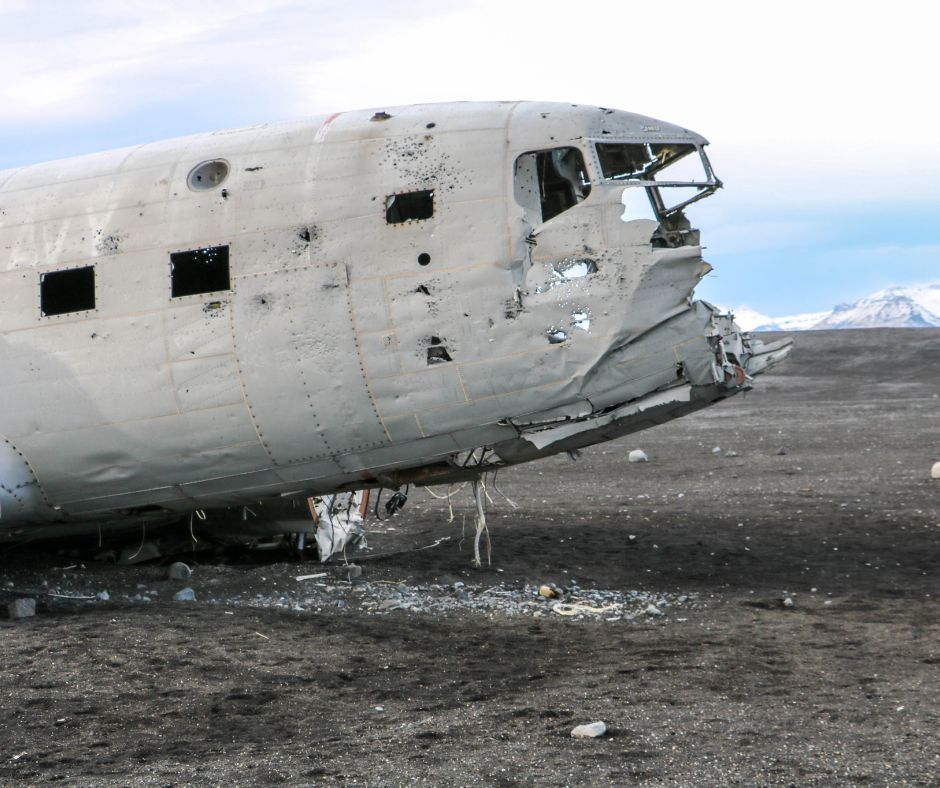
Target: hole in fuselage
[[409, 207], [437, 353]]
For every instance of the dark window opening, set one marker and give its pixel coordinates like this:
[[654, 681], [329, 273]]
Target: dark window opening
[[412, 206], [67, 291], [620, 160], [437, 353], [551, 180], [199, 271]]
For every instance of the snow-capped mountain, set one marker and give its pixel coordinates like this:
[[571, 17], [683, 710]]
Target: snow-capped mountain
[[896, 307]]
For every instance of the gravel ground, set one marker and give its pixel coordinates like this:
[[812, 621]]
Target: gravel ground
[[764, 614]]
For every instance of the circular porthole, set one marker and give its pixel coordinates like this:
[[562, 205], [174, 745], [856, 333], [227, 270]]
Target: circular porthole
[[208, 175]]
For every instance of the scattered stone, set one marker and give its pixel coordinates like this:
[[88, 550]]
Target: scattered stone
[[350, 572], [179, 571], [627, 607], [589, 731], [652, 610], [547, 591], [783, 451], [789, 602], [102, 596], [716, 450], [22, 608], [935, 471], [731, 453], [184, 595], [638, 455]]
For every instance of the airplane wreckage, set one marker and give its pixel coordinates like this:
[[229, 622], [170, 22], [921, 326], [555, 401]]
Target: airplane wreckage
[[248, 324]]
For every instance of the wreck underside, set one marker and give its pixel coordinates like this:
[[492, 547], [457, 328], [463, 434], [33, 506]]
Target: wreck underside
[[718, 361]]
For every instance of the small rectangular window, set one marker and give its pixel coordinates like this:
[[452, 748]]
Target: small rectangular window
[[412, 206], [199, 271], [67, 291]]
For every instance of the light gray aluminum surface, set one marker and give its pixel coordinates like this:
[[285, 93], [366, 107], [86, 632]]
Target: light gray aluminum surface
[[404, 286]]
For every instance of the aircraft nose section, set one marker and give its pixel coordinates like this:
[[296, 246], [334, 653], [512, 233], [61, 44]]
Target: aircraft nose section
[[742, 356]]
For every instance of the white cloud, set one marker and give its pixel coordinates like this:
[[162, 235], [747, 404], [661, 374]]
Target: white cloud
[[808, 103]]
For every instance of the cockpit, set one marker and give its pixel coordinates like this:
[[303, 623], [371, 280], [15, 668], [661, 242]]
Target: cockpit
[[670, 175], [681, 168]]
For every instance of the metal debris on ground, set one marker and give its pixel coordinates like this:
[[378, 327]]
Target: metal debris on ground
[[339, 522]]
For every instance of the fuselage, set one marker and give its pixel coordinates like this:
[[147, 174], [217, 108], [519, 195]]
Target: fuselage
[[355, 300]]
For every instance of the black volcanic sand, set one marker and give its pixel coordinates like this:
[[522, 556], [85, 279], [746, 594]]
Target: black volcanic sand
[[841, 688]]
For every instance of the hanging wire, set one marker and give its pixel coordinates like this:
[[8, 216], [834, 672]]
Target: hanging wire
[[508, 500], [143, 538]]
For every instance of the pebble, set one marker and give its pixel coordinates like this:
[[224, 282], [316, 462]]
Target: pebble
[[22, 608], [102, 596], [935, 471], [652, 610], [716, 450], [637, 455], [184, 595], [590, 731], [179, 571], [789, 602]]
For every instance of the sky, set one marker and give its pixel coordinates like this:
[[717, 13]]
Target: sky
[[822, 115]]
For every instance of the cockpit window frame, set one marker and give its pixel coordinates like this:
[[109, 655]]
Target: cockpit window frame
[[663, 212]]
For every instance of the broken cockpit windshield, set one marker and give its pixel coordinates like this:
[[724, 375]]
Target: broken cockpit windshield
[[681, 167]]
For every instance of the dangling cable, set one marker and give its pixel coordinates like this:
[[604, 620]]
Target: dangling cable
[[143, 538], [508, 500], [479, 493]]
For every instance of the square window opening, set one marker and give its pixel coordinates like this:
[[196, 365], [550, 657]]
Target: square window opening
[[61, 292], [199, 271], [409, 207]]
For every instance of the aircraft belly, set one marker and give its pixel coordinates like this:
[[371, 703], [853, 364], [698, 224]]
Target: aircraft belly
[[124, 406]]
